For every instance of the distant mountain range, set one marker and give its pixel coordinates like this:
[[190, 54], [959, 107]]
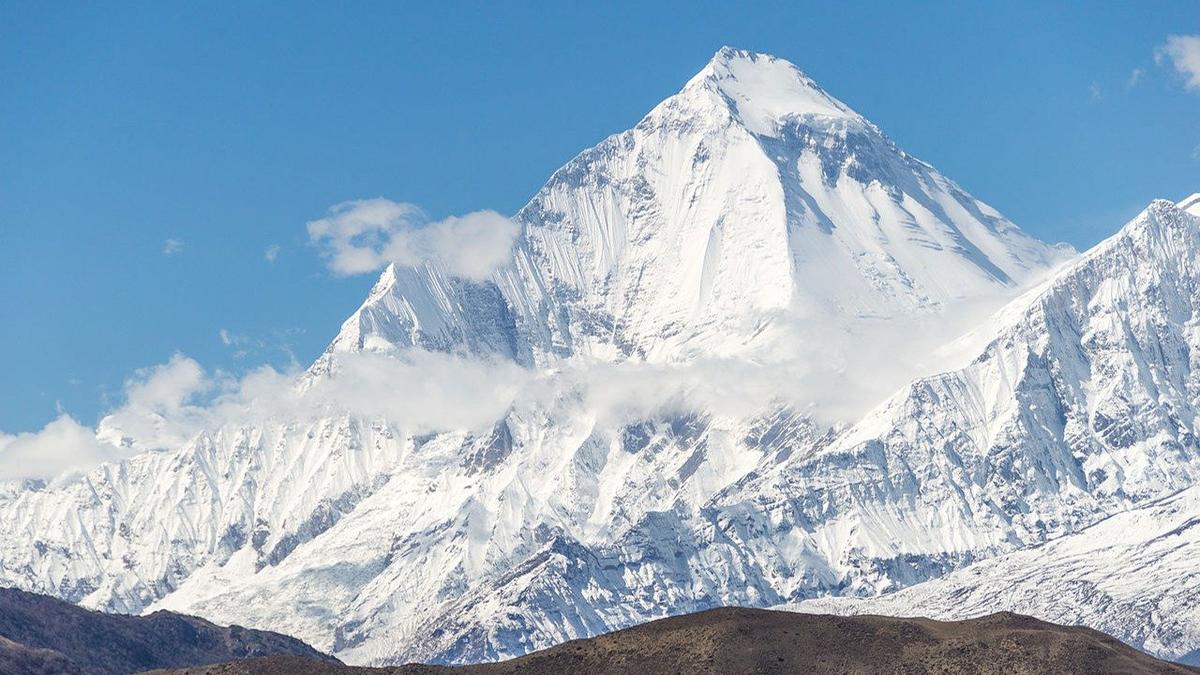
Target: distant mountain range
[[762, 357]]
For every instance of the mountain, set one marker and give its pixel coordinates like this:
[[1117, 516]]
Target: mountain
[[737, 640], [750, 233], [749, 202], [39, 634], [1132, 575]]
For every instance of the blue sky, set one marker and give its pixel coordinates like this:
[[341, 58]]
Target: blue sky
[[151, 154]]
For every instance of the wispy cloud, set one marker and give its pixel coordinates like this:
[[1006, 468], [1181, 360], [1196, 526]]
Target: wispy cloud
[[173, 247], [1135, 77], [241, 344], [1183, 52], [229, 339], [167, 405], [1096, 92], [364, 236], [271, 253], [157, 413]]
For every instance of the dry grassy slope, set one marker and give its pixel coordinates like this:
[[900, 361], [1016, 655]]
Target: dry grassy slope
[[17, 658], [736, 640]]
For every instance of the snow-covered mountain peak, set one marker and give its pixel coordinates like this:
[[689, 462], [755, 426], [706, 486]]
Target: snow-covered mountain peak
[[766, 91], [1159, 232], [749, 203]]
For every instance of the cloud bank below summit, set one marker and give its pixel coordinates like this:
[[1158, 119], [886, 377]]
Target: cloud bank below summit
[[168, 404], [831, 373]]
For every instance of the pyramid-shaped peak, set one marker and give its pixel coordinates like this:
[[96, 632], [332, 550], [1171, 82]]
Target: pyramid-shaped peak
[[766, 90]]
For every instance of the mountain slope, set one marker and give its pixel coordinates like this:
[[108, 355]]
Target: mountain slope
[[747, 203], [39, 634], [1132, 576], [1191, 204], [737, 640], [1081, 406]]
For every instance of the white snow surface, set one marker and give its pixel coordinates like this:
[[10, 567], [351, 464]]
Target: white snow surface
[[751, 219], [746, 205], [1132, 575], [1191, 204]]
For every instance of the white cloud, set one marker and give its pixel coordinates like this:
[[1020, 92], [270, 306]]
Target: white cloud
[[173, 246], [1135, 76], [162, 406], [161, 410], [63, 446], [422, 391], [1096, 92], [271, 253], [231, 339], [1183, 51], [167, 386], [834, 373], [364, 236]]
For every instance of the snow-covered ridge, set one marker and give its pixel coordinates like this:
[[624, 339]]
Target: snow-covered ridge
[[1131, 575], [702, 233], [749, 219], [1191, 204]]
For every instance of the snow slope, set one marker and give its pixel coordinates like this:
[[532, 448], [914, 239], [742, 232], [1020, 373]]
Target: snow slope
[[1191, 204], [747, 203], [1133, 575]]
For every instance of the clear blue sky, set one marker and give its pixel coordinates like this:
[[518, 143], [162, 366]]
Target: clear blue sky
[[227, 127]]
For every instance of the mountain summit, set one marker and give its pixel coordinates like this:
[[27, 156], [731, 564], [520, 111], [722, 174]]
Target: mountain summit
[[739, 210], [766, 91]]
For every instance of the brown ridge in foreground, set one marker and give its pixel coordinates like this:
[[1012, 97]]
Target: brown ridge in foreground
[[737, 640], [40, 635]]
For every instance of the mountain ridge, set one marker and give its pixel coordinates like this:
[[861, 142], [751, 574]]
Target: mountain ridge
[[39, 634], [577, 275], [739, 640]]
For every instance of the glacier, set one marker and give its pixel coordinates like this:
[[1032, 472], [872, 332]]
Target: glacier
[[942, 391]]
